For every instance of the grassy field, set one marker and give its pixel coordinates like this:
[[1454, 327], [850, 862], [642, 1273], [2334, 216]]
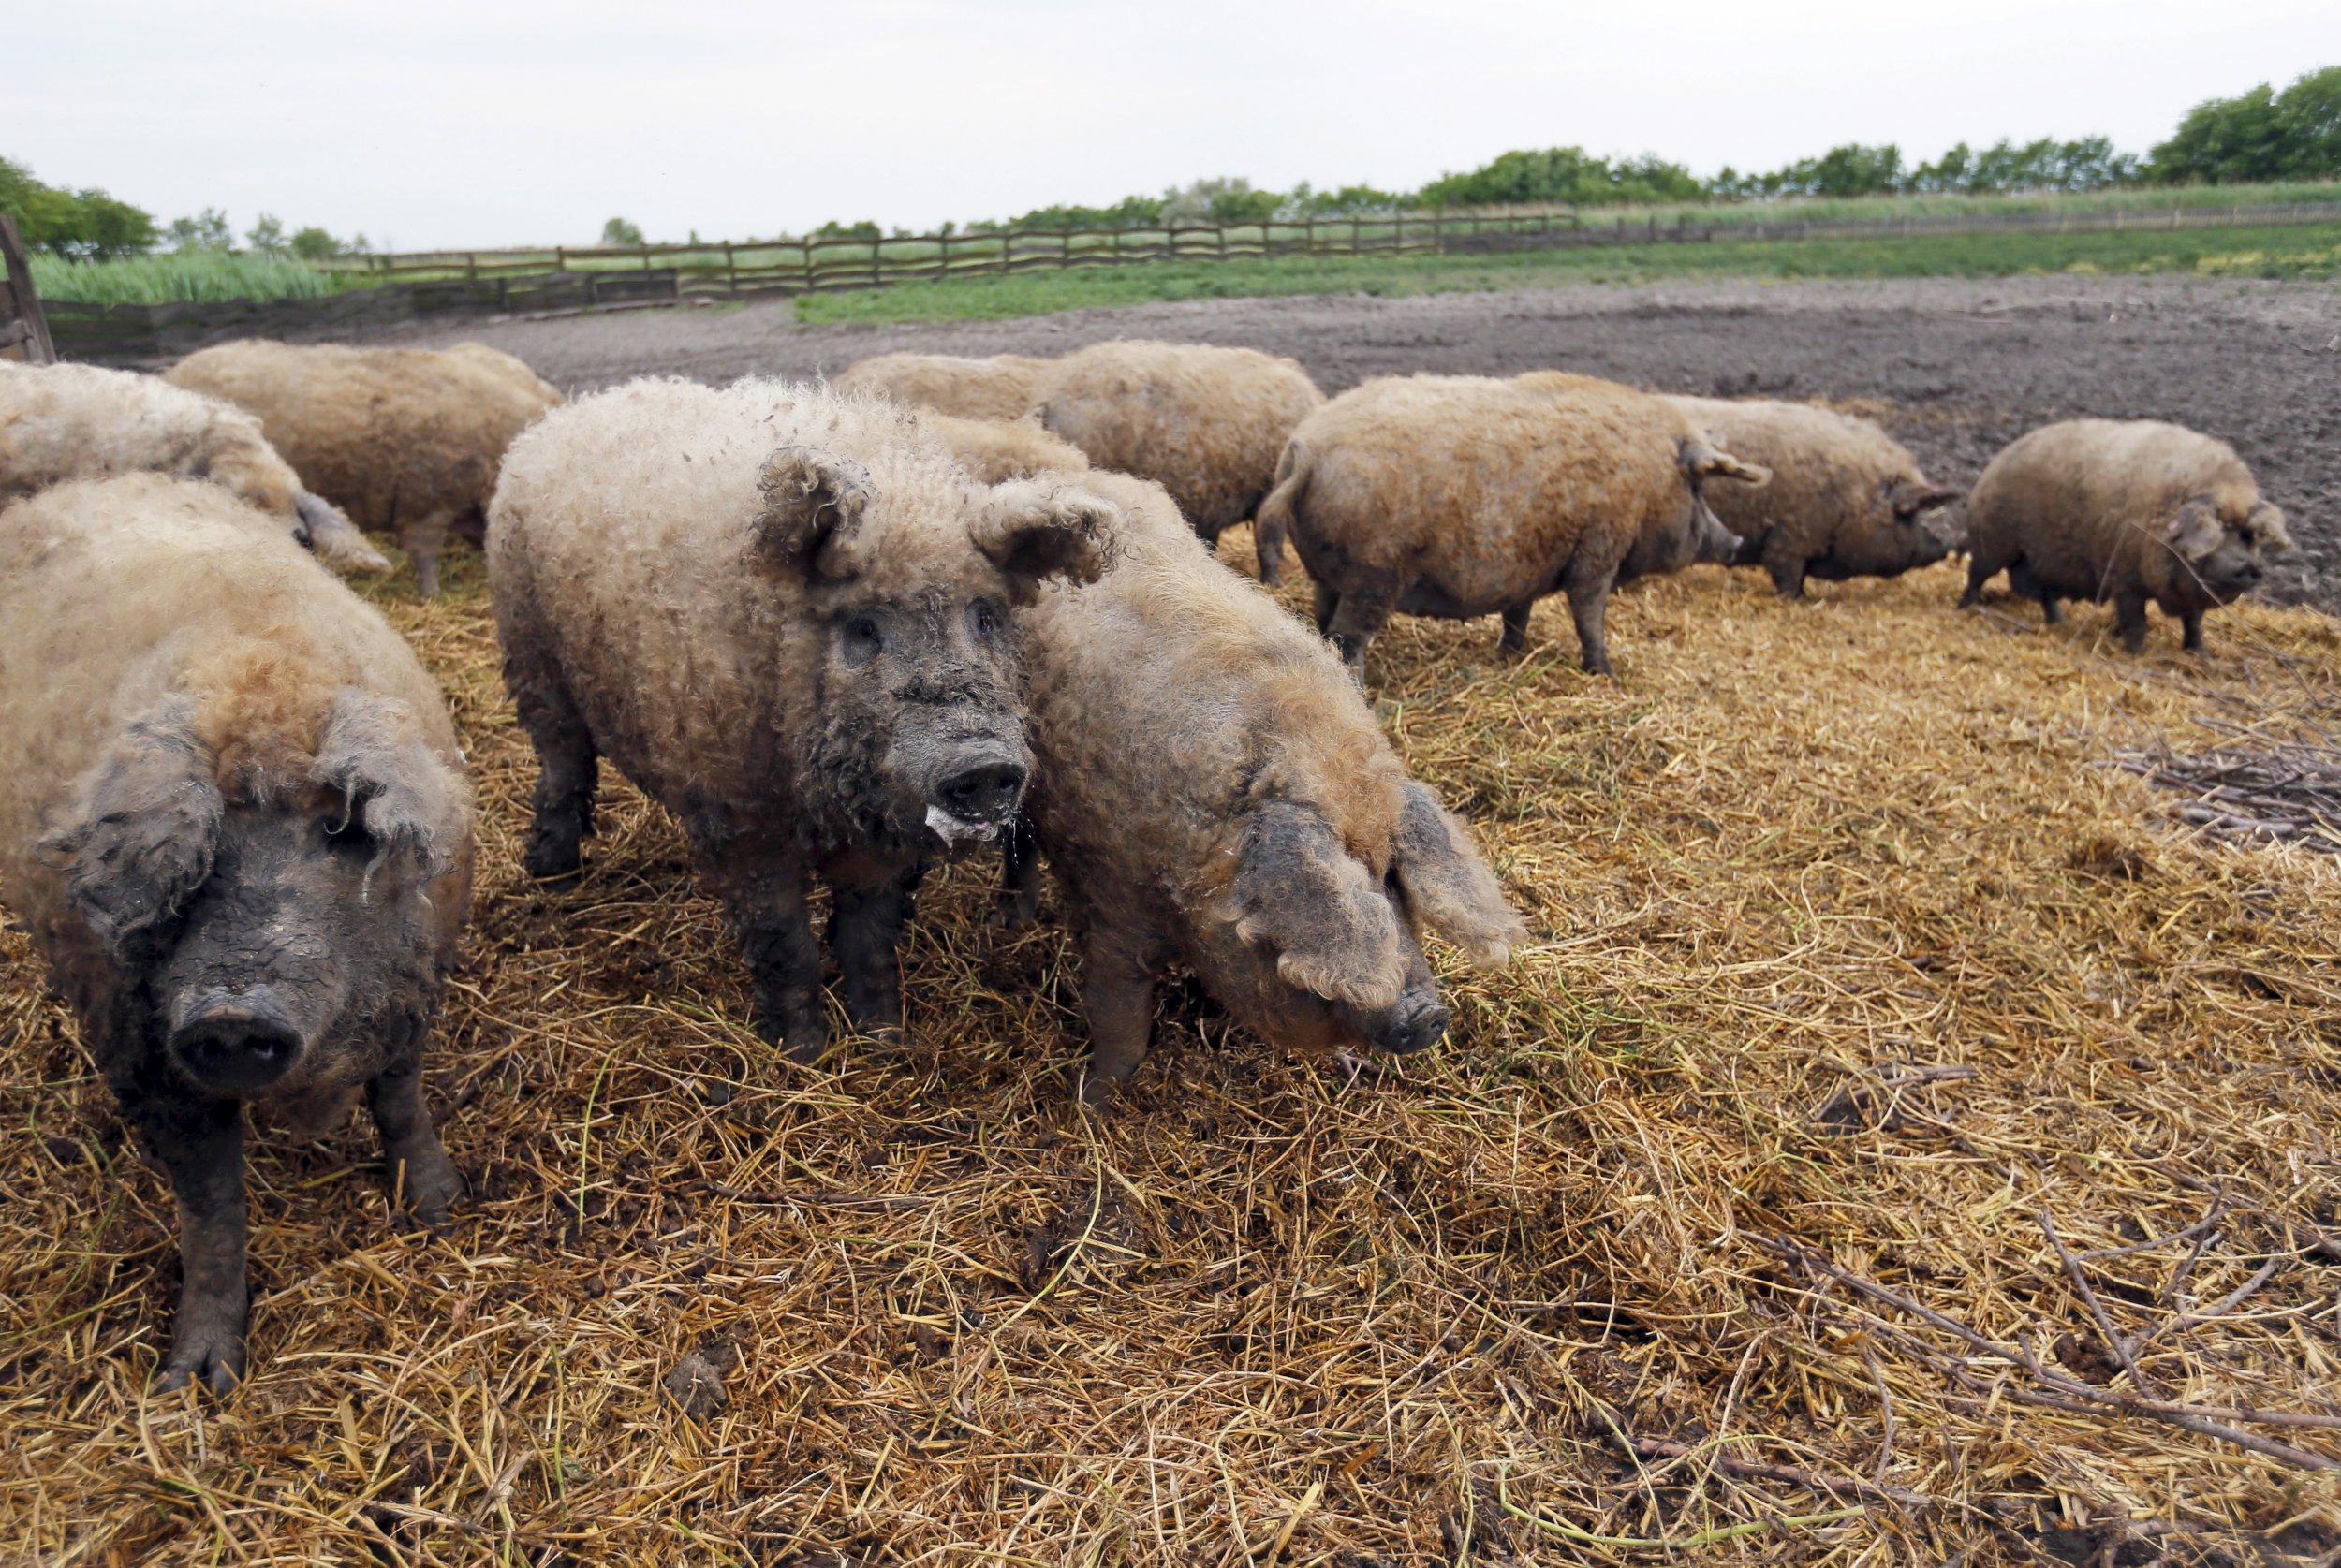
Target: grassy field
[[2307, 252], [1874, 208], [190, 275]]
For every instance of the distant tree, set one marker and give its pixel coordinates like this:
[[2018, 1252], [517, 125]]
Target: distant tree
[[618, 231], [866, 229], [315, 245], [267, 236], [1558, 174], [207, 230], [2259, 135], [85, 225], [1219, 201]]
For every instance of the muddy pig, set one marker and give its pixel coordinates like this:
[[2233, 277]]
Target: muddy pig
[[1462, 495], [234, 819], [2127, 510], [789, 615]]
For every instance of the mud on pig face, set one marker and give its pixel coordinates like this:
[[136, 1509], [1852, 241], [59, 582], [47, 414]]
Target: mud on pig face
[[921, 727], [285, 939]]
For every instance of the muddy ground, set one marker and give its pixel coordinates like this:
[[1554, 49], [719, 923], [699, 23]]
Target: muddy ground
[[1955, 367]]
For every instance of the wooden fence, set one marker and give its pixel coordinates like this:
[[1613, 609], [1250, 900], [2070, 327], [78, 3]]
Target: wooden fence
[[820, 263], [429, 283], [23, 331]]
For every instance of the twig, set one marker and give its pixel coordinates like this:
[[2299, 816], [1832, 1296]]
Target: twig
[[2210, 1234], [2069, 1394], [2113, 1341], [2220, 1308], [1752, 1469]]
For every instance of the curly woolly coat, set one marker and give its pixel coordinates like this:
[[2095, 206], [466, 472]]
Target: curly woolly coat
[[406, 440], [2134, 511], [682, 578], [1846, 499], [181, 689], [1213, 794], [1207, 424], [999, 387], [60, 422], [1459, 497]]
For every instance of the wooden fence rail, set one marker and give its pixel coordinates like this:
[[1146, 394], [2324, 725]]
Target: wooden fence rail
[[423, 282]]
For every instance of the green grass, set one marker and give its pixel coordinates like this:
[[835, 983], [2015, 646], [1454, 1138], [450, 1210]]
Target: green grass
[[2311, 251], [2146, 198], [192, 275]]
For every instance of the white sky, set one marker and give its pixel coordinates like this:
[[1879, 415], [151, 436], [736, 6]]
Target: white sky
[[428, 122]]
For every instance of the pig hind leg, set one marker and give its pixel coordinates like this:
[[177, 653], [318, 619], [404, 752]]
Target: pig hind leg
[[420, 1173], [1324, 604], [865, 932], [1589, 607], [201, 1148], [1515, 637], [567, 766], [2026, 584]]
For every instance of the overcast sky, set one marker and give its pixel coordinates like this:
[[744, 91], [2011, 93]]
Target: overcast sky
[[428, 122]]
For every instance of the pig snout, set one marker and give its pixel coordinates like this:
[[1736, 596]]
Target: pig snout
[[236, 1041], [1416, 1022], [985, 791], [1710, 541]]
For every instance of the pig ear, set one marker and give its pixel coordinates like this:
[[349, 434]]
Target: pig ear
[[1909, 497], [1705, 461], [814, 506], [1447, 885], [334, 538], [2196, 531], [2267, 526], [1299, 891], [142, 830], [373, 756], [1033, 529]]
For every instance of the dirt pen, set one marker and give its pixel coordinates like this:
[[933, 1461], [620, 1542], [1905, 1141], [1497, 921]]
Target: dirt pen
[[1900, 1142]]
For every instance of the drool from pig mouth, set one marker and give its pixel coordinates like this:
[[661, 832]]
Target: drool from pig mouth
[[951, 829]]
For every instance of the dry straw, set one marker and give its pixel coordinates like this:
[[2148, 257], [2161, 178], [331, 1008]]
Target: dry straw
[[1903, 1142]]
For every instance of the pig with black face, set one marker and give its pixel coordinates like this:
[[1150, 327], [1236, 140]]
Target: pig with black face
[[1215, 796], [2129, 510], [791, 617], [235, 821]]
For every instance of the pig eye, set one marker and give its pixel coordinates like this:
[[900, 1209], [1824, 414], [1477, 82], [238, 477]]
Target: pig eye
[[983, 620], [860, 639]]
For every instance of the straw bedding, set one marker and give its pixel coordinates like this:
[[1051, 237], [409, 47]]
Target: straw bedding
[[1865, 987]]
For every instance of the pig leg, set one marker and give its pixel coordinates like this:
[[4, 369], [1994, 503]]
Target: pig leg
[[1516, 625], [2129, 619], [1019, 879], [420, 1172], [422, 540], [865, 932], [766, 904], [2192, 621], [567, 772], [1267, 540], [1118, 994], [1786, 565], [201, 1148], [1589, 607], [2026, 584], [1363, 610], [1324, 603], [1982, 567]]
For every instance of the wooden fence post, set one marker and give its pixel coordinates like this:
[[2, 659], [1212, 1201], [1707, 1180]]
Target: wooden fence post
[[731, 271], [808, 263], [23, 331]]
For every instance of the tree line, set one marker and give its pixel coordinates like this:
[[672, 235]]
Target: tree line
[[2260, 136]]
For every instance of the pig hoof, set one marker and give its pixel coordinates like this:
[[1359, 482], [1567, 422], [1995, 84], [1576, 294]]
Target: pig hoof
[[553, 862], [432, 1189], [216, 1360]]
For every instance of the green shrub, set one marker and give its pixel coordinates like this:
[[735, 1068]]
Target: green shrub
[[2259, 135], [200, 274]]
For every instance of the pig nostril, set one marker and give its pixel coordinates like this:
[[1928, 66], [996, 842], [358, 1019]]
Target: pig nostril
[[234, 1048], [984, 793]]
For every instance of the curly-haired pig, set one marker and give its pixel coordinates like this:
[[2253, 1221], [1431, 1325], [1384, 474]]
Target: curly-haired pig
[[787, 615], [234, 819], [2129, 510], [1846, 500], [1464, 495], [1214, 794]]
